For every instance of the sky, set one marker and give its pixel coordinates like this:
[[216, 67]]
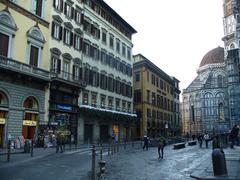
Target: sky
[[173, 34]]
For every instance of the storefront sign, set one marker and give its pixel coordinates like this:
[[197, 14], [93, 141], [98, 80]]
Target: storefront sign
[[2, 121], [29, 123], [69, 108]]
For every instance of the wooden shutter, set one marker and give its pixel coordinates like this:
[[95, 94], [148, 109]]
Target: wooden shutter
[[59, 66], [65, 8], [60, 33], [39, 8], [61, 5], [53, 28], [73, 72], [4, 41], [54, 3], [71, 39], [34, 56], [64, 35], [72, 12]]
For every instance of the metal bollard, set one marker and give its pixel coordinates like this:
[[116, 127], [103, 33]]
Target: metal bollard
[[108, 149], [124, 144], [117, 147], [9, 151], [93, 162], [132, 144], [101, 151], [112, 149], [32, 148]]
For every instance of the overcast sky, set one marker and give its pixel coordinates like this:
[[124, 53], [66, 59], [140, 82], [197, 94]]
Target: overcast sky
[[173, 34]]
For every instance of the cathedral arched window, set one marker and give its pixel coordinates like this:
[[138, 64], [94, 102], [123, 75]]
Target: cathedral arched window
[[208, 104]]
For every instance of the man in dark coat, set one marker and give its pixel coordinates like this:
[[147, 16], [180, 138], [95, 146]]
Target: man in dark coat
[[234, 135], [146, 141]]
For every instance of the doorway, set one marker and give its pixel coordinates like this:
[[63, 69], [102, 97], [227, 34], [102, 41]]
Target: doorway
[[88, 133]]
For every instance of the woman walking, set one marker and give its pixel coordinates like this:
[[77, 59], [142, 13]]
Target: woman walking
[[161, 144]]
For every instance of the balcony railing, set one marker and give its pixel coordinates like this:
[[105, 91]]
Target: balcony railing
[[26, 69], [67, 77]]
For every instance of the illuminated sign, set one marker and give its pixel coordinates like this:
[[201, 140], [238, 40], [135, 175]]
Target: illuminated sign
[[29, 123], [2, 121]]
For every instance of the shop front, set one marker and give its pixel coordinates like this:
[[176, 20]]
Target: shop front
[[63, 113], [29, 125], [3, 116]]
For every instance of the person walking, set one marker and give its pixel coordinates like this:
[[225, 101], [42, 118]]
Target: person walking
[[59, 143], [161, 145], [206, 138], [200, 140], [234, 135], [146, 141]]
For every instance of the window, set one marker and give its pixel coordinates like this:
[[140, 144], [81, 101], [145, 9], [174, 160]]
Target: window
[[68, 37], [58, 4], [34, 54], [75, 72], [78, 17], [137, 96], [153, 98], [68, 10], [111, 41], [56, 31], [86, 26], [55, 65], [117, 104], [77, 42], [129, 106], [66, 69], [37, 7], [7, 32], [129, 53], [104, 37], [4, 43], [85, 98], [86, 48], [123, 50], [110, 102], [124, 105], [103, 101], [94, 99], [153, 79], [118, 46], [137, 77], [148, 96]]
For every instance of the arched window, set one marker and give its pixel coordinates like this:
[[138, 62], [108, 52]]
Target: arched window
[[7, 31], [208, 104], [221, 111], [35, 44], [30, 103]]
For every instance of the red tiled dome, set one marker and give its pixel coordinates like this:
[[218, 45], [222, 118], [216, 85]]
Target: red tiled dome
[[214, 56]]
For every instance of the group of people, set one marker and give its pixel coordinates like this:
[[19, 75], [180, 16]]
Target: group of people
[[161, 144], [202, 138]]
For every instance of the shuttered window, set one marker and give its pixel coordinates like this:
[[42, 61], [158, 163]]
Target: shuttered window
[[34, 56], [4, 41]]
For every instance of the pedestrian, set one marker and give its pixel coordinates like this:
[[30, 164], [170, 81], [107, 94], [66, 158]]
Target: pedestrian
[[146, 141], [206, 139], [200, 140], [59, 143], [234, 135], [161, 145]]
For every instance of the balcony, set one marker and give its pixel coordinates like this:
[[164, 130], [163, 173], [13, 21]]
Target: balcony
[[12, 66], [67, 78]]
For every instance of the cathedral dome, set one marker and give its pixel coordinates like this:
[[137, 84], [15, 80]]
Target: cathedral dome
[[212, 57]]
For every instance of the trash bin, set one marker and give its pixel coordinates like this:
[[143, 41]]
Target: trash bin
[[219, 162], [27, 146]]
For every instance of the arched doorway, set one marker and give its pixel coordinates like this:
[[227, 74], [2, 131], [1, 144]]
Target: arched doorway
[[3, 116], [30, 117]]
